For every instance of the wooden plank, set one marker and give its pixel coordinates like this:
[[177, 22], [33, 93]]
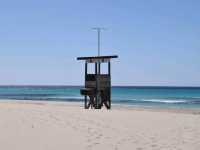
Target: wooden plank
[[97, 57]]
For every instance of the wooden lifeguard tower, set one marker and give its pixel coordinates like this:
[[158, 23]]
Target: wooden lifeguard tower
[[97, 90]]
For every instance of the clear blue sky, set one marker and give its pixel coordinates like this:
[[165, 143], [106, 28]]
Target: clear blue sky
[[158, 41]]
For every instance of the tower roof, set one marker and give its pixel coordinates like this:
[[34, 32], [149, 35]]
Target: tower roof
[[97, 58]]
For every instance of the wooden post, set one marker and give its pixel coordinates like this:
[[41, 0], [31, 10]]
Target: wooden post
[[109, 94], [99, 68], [109, 68], [96, 68], [86, 69], [98, 84], [85, 98]]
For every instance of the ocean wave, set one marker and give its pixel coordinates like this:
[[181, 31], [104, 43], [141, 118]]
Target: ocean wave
[[160, 101], [29, 95], [165, 101], [67, 97], [46, 97]]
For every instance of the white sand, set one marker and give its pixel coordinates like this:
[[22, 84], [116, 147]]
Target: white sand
[[67, 126]]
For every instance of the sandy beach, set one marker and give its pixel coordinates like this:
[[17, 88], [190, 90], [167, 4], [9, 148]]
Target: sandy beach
[[60, 126]]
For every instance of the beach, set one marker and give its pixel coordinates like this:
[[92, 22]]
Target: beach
[[31, 125]]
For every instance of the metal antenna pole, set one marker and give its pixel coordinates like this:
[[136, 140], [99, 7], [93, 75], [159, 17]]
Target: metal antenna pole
[[98, 29], [99, 34]]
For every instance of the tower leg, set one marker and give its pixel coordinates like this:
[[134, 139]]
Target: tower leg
[[86, 105]]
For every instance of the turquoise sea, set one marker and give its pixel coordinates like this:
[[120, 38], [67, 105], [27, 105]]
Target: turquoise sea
[[181, 97]]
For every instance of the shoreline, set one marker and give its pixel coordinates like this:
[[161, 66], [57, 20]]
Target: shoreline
[[194, 111]]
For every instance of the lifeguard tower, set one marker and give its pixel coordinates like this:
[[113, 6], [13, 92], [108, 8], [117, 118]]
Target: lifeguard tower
[[97, 90]]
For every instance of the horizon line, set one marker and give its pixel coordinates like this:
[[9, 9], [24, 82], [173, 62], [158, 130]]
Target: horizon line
[[57, 85]]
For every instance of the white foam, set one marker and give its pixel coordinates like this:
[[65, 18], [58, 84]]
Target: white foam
[[66, 97], [165, 101]]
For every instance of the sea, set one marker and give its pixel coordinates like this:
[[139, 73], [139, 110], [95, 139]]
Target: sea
[[144, 96]]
